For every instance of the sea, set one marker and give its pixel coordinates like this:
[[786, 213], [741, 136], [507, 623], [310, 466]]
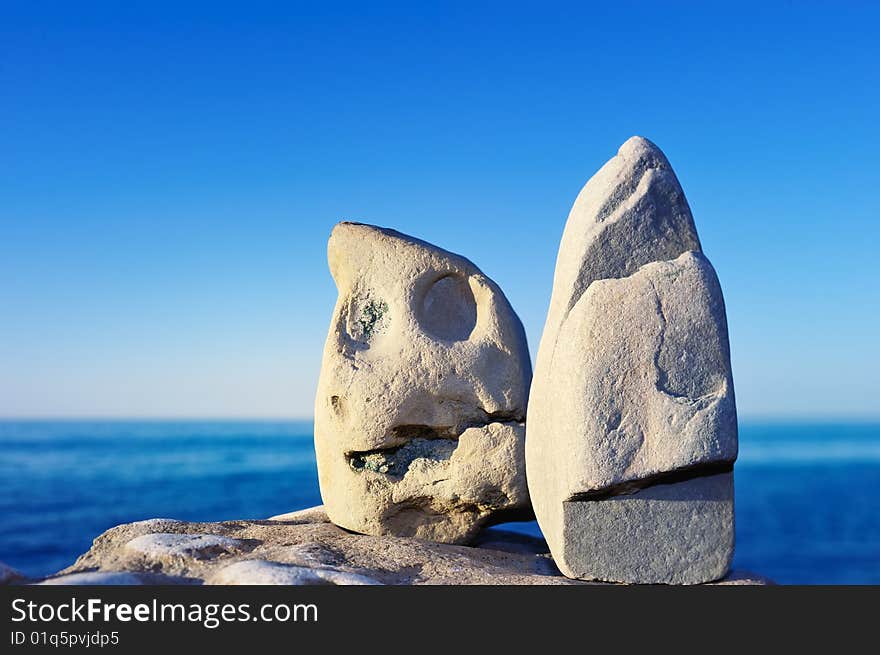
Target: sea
[[807, 508]]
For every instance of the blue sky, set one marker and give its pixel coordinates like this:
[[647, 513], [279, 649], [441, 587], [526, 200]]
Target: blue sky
[[170, 172]]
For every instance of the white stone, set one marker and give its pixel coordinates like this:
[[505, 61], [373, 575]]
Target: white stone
[[639, 382], [301, 515], [262, 572], [421, 400], [633, 377], [163, 546], [95, 578]]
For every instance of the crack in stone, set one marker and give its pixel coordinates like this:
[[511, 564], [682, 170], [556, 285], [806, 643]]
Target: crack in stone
[[395, 462], [422, 442], [683, 474]]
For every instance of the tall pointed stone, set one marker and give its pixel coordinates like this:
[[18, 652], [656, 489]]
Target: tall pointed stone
[[632, 428]]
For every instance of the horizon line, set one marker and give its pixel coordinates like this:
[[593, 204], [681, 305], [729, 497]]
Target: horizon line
[[770, 418]]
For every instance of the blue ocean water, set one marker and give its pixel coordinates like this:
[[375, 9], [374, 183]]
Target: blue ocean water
[[806, 494]]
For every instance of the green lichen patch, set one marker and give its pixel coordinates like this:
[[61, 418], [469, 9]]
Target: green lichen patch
[[371, 314], [397, 461]]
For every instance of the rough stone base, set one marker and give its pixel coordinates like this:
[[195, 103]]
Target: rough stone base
[[9, 575], [304, 548], [680, 533]]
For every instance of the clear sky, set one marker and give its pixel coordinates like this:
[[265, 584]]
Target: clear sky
[[170, 172]]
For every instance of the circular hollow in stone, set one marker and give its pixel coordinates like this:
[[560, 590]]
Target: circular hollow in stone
[[449, 310]]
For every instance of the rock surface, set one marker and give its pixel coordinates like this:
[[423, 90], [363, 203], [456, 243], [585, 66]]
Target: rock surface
[[640, 379], [104, 578], [263, 572], [632, 381], [422, 395], [9, 575], [678, 533], [304, 548]]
